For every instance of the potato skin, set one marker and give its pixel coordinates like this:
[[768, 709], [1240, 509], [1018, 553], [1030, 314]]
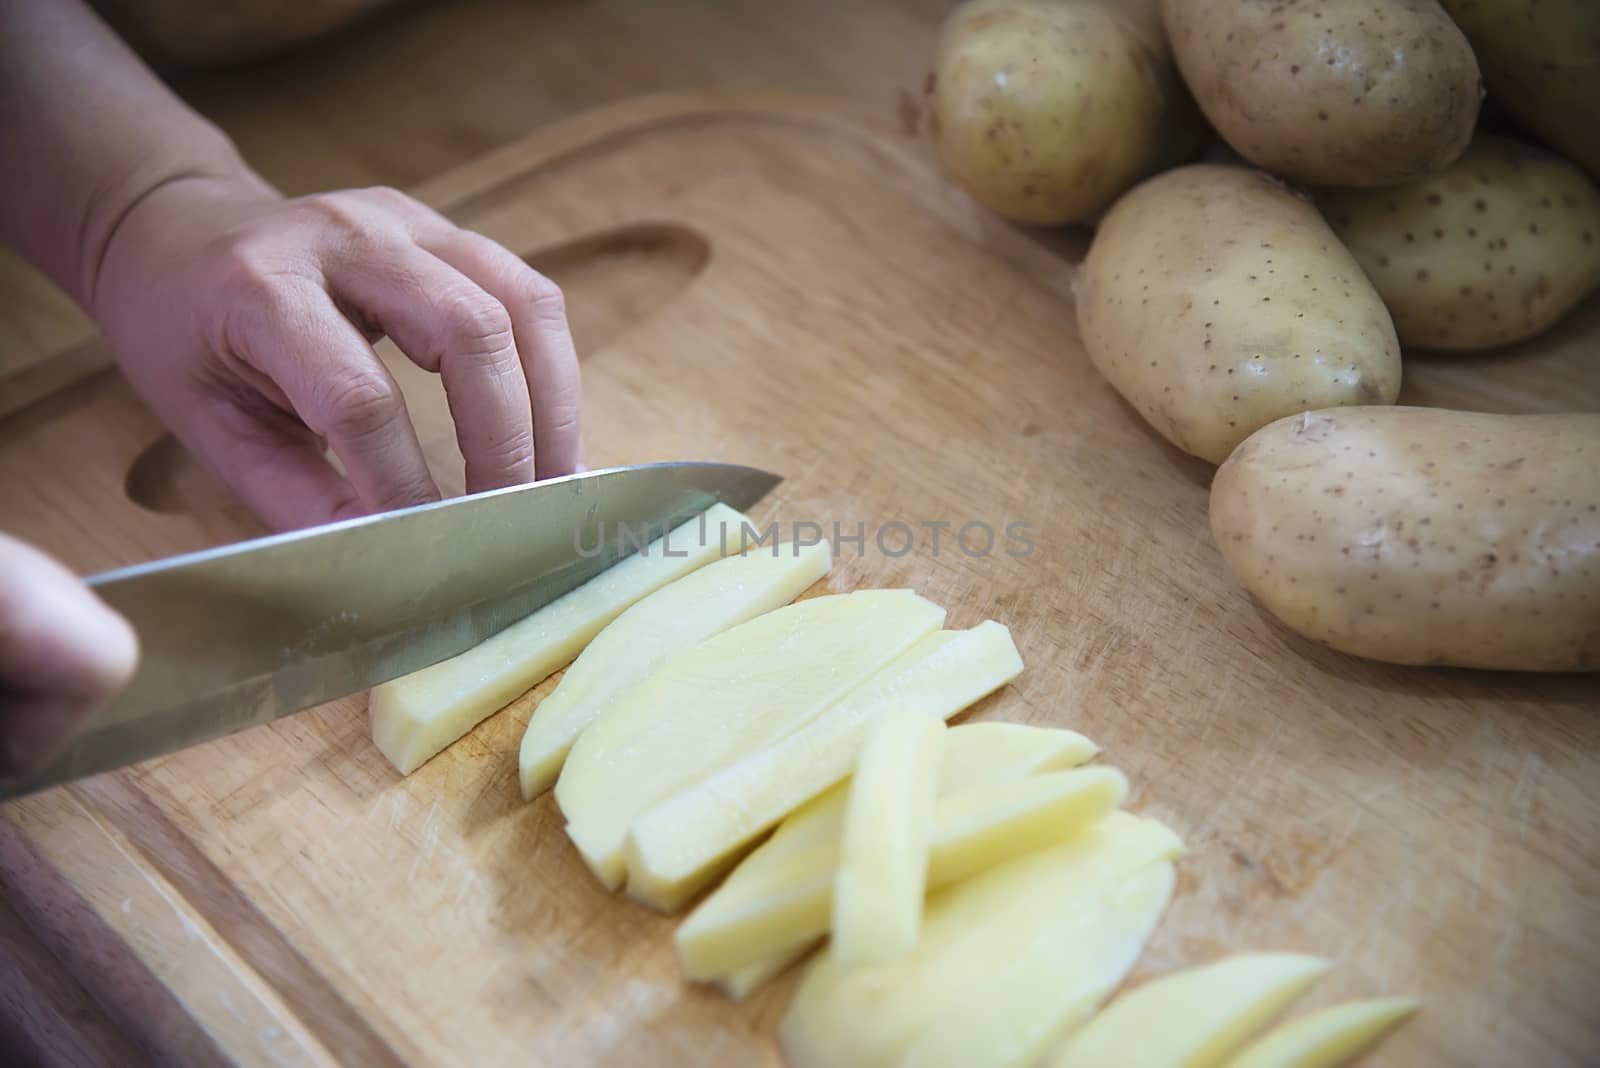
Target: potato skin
[[1046, 110], [1541, 61], [1423, 536], [1331, 92], [1217, 301], [1490, 251]]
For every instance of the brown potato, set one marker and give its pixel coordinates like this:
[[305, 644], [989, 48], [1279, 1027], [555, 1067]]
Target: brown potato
[[1422, 536], [1215, 301], [1490, 251], [1336, 92], [1047, 110], [1541, 61]]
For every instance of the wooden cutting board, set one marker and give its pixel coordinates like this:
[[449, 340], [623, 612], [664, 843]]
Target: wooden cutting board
[[763, 281]]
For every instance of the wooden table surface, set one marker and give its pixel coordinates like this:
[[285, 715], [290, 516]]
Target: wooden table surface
[[829, 308]]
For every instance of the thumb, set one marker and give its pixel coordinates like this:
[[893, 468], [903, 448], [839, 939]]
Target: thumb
[[62, 651]]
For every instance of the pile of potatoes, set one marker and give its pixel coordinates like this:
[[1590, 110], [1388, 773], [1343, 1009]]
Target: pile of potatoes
[[1254, 311]]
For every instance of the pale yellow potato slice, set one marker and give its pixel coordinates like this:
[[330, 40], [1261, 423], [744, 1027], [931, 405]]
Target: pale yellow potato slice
[[1053, 982], [1193, 1018], [1045, 905], [741, 984], [725, 698], [674, 618], [416, 716], [986, 753], [1329, 1038], [883, 853], [976, 754], [787, 903], [682, 844]]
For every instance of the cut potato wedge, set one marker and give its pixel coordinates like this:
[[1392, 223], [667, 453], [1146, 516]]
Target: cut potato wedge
[[741, 984], [786, 903], [999, 752], [1073, 960], [888, 827], [416, 716], [1041, 907], [1328, 1038], [976, 754], [674, 618], [680, 845], [727, 697], [1194, 1018]]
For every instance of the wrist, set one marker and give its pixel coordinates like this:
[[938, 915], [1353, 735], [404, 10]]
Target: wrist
[[118, 226]]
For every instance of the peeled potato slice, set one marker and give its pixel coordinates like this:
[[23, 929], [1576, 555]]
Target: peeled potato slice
[[888, 826], [674, 618], [1070, 963], [999, 752], [416, 716], [1193, 1018], [787, 902], [1328, 1038], [1085, 903], [720, 701], [976, 754], [680, 845]]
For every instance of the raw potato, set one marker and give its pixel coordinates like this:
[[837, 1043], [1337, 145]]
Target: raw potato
[[1421, 536], [977, 754], [784, 902], [1216, 301], [416, 716], [888, 827], [674, 618], [1492, 250], [1046, 110], [1076, 956], [1336, 92], [1541, 62], [1049, 931], [1194, 1018], [680, 845], [1329, 1038], [729, 696]]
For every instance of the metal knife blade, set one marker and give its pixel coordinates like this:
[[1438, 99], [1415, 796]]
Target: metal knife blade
[[243, 634]]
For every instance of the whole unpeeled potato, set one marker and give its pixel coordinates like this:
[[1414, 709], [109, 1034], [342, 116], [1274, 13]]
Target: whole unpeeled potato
[[1541, 61], [1423, 536], [1046, 110], [1332, 92], [1492, 250], [1216, 301]]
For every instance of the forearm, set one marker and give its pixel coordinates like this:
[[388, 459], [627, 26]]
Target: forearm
[[86, 132]]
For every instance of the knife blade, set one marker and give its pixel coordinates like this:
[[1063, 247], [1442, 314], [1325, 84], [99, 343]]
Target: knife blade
[[244, 634]]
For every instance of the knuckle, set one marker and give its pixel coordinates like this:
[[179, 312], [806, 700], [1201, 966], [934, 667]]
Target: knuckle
[[538, 293], [477, 325], [246, 272], [359, 405], [511, 451], [342, 210]]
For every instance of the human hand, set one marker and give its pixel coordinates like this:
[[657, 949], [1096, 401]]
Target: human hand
[[62, 652], [247, 321]]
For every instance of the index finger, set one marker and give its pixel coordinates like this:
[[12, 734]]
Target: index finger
[[544, 341]]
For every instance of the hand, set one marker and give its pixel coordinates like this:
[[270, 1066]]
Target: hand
[[247, 321], [62, 651]]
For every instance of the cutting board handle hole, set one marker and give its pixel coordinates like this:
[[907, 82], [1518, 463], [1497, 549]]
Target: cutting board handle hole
[[165, 478], [616, 279]]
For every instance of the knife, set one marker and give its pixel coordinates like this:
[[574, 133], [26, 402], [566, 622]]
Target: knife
[[244, 634]]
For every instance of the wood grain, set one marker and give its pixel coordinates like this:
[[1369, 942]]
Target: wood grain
[[853, 325]]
